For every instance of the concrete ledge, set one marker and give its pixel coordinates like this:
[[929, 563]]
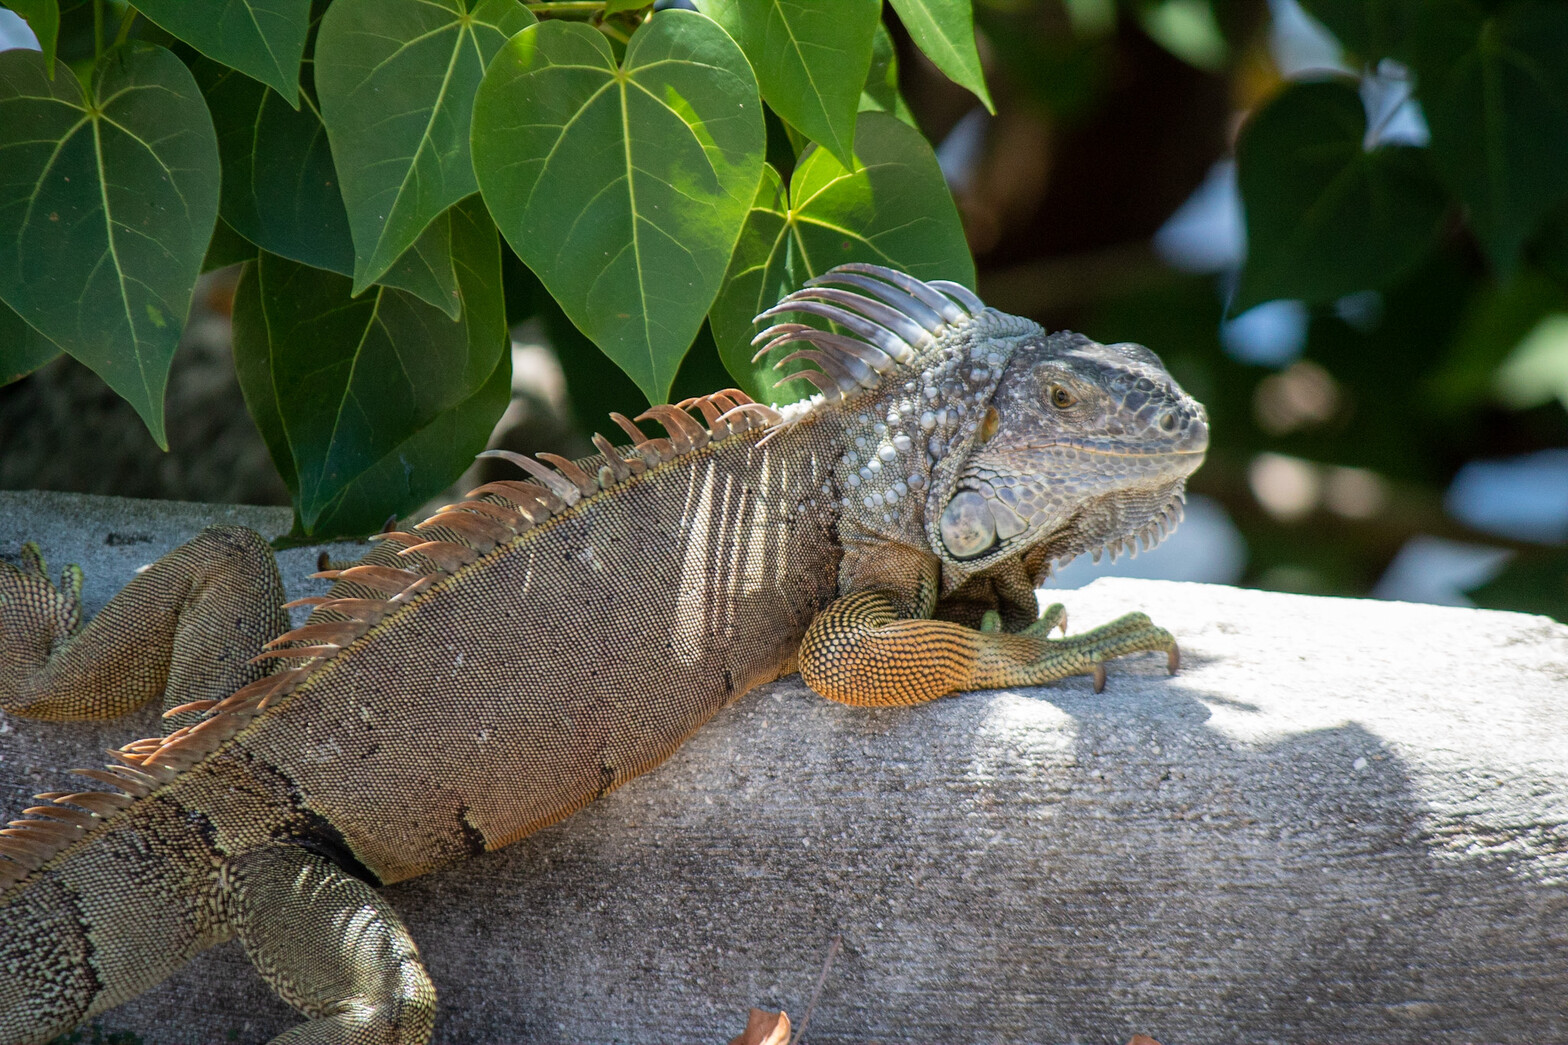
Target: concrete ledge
[[1344, 820]]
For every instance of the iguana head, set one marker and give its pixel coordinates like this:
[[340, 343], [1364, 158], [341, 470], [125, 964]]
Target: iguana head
[[1084, 447], [977, 435]]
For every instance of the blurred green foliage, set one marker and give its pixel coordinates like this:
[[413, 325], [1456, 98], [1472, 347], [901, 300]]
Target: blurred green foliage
[[1430, 266]]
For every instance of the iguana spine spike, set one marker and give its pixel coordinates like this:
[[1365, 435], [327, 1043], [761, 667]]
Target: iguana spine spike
[[446, 555], [336, 632], [367, 611], [826, 385], [56, 812], [907, 303], [965, 296], [917, 335], [636, 434], [706, 406], [586, 484], [399, 536], [483, 531], [100, 802], [924, 292], [382, 578], [194, 705], [132, 787], [850, 373], [554, 482], [526, 496], [766, 414], [619, 470], [870, 355], [875, 333], [503, 514], [685, 434], [296, 652], [309, 600]]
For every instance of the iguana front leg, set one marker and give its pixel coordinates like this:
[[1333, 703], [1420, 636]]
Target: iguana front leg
[[185, 628], [863, 650], [332, 947]]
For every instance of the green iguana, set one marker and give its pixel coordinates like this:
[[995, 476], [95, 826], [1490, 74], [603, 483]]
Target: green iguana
[[519, 654]]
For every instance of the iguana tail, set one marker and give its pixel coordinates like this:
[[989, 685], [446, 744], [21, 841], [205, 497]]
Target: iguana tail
[[104, 920]]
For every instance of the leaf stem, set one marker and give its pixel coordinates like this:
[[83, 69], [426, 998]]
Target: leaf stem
[[611, 31], [97, 29], [125, 26]]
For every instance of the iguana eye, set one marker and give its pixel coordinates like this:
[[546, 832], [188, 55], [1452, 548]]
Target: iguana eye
[[1061, 398]]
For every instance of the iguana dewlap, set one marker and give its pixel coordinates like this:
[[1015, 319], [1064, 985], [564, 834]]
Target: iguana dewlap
[[524, 652]]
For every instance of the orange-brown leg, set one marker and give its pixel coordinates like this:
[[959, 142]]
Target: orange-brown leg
[[860, 651], [184, 628]]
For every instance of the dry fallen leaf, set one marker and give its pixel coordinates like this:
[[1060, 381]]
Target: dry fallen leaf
[[764, 1028], [1137, 1039]]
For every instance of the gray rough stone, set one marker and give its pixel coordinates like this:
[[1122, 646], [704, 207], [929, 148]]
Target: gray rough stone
[[1343, 820]]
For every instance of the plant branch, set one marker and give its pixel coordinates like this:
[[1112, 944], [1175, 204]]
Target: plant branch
[[125, 26]]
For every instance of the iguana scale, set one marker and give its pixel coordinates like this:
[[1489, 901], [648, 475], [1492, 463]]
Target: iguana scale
[[519, 654]]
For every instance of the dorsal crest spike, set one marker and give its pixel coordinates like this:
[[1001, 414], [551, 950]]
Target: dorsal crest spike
[[553, 480], [685, 433]]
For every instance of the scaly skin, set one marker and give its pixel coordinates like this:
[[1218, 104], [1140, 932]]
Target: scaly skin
[[518, 656]]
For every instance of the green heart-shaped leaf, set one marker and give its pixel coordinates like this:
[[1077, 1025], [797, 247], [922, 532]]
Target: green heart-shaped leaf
[[945, 31], [1495, 92], [109, 203], [810, 58], [894, 209], [263, 39], [280, 188], [43, 18], [370, 405], [22, 349], [623, 188], [396, 79], [1325, 216]]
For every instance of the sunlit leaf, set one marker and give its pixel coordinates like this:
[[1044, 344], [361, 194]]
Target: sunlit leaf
[[22, 349], [264, 39], [810, 59], [1494, 88], [109, 204], [370, 405], [893, 210], [1188, 30], [396, 79], [623, 189], [945, 31], [1326, 217], [43, 18], [880, 93]]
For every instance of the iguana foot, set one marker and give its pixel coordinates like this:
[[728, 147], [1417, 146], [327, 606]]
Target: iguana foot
[[36, 616], [860, 651], [185, 628], [1081, 654]]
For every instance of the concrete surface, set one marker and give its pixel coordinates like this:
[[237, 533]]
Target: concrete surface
[[1344, 820]]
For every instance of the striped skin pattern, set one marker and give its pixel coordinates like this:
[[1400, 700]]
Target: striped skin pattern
[[496, 667]]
